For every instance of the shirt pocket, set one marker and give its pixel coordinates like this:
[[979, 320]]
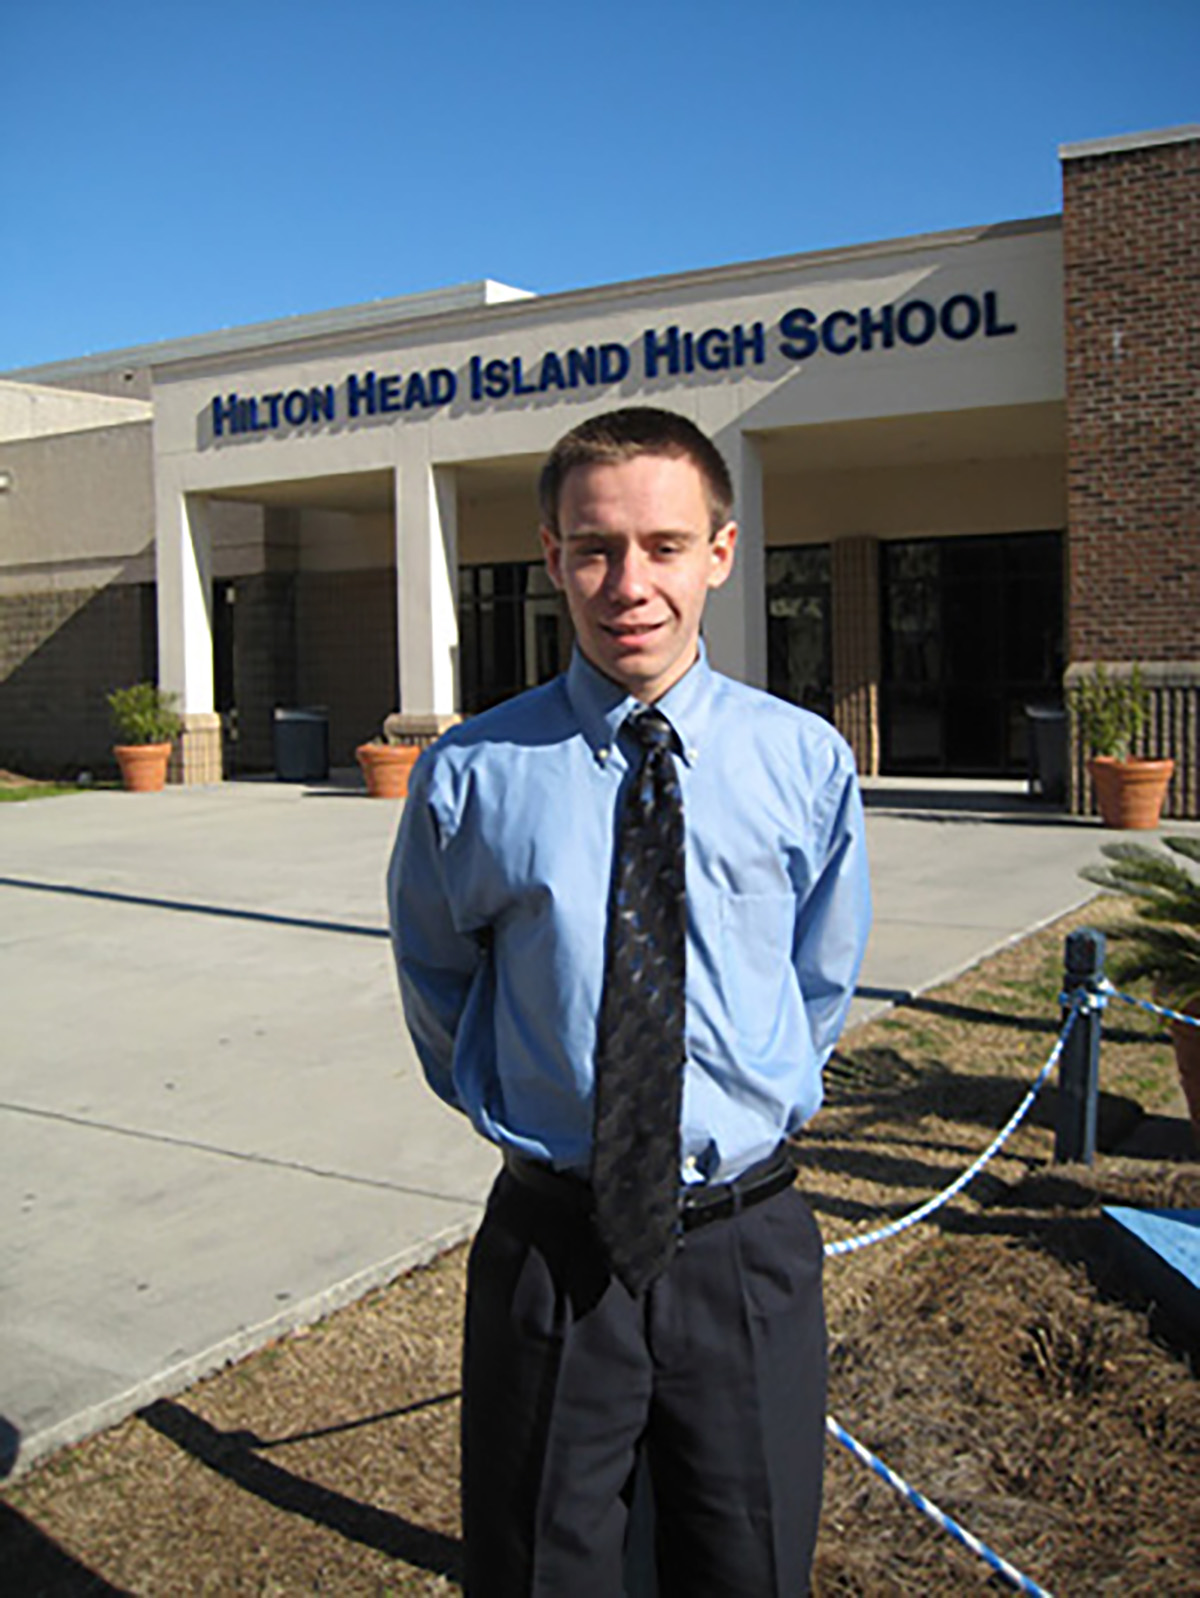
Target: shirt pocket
[[756, 951]]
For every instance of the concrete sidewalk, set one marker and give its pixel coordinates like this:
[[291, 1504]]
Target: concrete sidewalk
[[212, 1125]]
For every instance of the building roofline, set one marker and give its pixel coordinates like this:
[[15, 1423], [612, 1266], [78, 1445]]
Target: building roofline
[[284, 329], [438, 307], [38, 410], [1184, 134], [51, 393], [716, 277]]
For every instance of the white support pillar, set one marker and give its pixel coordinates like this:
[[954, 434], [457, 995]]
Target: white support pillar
[[184, 569], [735, 625], [183, 559], [427, 590]]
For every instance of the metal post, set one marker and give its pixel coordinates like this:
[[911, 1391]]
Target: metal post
[[1079, 1068]]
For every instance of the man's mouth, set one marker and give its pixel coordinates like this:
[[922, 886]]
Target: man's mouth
[[622, 630]]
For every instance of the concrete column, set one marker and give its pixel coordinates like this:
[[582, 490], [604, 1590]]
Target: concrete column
[[183, 555], [427, 590], [735, 626], [183, 548]]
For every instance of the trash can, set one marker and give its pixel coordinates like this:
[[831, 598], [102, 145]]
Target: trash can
[[1047, 730], [302, 744]]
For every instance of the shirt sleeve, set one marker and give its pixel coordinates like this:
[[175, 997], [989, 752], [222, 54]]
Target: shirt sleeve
[[435, 962], [834, 917]]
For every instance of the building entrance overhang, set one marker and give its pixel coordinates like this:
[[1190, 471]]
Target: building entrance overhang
[[987, 432], [344, 491]]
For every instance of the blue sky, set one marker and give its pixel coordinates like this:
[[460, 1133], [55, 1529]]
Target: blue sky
[[172, 167]]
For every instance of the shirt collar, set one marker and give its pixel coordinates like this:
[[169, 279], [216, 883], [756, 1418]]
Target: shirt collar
[[602, 705]]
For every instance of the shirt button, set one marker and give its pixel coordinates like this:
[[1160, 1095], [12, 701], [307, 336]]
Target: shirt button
[[602, 755], [689, 1164], [692, 754]]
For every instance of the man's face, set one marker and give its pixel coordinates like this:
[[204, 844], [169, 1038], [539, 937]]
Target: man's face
[[636, 559]]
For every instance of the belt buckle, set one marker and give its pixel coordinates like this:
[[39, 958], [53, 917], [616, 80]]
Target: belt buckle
[[701, 1208]]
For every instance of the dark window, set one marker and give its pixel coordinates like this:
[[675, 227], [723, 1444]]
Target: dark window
[[972, 632], [149, 631], [224, 656], [509, 631], [799, 650]]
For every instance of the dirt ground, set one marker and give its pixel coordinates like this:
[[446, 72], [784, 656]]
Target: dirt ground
[[996, 1356]]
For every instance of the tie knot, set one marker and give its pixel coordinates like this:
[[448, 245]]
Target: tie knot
[[652, 729]]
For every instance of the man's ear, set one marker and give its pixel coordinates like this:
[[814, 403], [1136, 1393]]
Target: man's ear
[[720, 550], [552, 550]]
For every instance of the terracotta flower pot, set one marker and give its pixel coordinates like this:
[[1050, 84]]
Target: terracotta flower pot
[[143, 766], [1187, 1059], [386, 768], [1130, 793]]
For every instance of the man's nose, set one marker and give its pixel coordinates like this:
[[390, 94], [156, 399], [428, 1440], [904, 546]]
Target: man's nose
[[627, 576]]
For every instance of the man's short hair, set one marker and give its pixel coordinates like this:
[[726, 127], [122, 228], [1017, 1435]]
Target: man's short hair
[[623, 435]]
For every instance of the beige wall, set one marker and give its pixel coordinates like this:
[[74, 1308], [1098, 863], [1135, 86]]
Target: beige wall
[[33, 410], [344, 541], [77, 511], [78, 497], [238, 533], [1005, 496], [497, 526], [934, 499]]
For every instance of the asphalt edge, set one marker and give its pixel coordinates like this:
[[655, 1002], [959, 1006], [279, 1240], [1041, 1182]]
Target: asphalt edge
[[37, 1447], [882, 1007]]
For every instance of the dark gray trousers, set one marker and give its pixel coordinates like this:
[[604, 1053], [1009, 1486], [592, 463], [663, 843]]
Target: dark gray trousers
[[717, 1372]]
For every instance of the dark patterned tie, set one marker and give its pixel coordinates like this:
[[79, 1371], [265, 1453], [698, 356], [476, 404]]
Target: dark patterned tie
[[640, 1043]]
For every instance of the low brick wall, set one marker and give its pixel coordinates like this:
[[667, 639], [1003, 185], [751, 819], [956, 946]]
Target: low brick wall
[[61, 652], [1172, 731]]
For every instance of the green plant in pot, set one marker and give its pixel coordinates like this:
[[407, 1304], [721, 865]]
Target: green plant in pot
[[147, 723], [1162, 943], [1110, 711]]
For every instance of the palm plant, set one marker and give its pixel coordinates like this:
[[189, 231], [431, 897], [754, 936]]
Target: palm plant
[[1163, 943]]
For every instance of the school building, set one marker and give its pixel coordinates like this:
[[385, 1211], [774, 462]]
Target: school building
[[965, 465]]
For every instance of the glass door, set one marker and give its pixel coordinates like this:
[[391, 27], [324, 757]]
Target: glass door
[[799, 631], [511, 630], [973, 631]]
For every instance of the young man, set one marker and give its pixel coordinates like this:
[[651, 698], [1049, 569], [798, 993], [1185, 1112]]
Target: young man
[[628, 910]]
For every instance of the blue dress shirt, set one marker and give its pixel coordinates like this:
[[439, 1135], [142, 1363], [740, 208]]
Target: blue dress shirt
[[499, 887]]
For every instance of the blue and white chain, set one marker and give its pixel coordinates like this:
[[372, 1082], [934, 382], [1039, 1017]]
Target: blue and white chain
[[1076, 1001], [1002, 1568]]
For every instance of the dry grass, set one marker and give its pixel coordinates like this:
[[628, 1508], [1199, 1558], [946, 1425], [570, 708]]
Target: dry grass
[[992, 1356]]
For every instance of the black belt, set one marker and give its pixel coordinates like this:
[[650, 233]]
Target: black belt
[[699, 1203]]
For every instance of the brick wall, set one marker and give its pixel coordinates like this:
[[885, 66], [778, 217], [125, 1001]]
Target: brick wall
[[346, 653], [61, 652], [1131, 241]]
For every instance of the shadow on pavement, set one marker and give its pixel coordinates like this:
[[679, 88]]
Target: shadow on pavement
[[191, 907]]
